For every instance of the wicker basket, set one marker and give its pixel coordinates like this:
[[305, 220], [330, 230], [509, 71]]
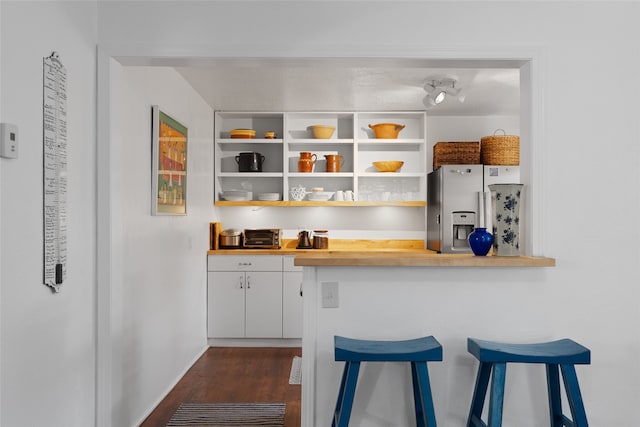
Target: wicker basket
[[456, 153], [500, 149]]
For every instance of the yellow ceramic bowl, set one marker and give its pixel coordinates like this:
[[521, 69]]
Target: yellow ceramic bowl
[[322, 132], [388, 166], [242, 133]]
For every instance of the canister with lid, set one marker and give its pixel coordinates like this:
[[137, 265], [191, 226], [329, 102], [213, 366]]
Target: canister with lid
[[320, 239]]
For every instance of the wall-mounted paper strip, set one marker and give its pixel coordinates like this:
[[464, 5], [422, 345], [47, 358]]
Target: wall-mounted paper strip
[[54, 141]]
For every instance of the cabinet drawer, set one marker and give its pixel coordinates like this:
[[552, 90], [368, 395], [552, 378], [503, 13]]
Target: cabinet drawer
[[244, 263], [287, 264]]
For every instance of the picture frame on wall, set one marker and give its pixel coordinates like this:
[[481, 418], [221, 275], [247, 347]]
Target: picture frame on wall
[[169, 143]]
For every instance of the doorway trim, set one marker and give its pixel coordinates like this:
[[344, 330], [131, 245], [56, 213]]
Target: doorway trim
[[533, 148]]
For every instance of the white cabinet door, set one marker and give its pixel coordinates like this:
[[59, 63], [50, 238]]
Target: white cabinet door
[[263, 304], [226, 304], [292, 304]]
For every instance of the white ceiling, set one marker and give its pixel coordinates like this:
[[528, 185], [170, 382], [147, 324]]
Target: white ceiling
[[492, 87]]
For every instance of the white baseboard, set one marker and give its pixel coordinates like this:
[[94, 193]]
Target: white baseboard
[[173, 384], [254, 342]]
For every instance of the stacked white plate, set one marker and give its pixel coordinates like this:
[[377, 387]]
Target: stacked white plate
[[237, 195], [269, 196], [319, 196]]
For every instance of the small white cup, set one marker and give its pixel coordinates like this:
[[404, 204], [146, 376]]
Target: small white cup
[[348, 195], [339, 196]]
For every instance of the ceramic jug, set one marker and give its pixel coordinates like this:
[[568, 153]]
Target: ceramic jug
[[306, 161], [334, 162]]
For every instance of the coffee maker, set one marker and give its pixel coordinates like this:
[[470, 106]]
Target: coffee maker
[[452, 207]]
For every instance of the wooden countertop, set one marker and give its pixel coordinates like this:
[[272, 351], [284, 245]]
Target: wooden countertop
[[387, 253], [417, 259]]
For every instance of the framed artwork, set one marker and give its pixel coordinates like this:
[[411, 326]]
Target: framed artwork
[[169, 165]]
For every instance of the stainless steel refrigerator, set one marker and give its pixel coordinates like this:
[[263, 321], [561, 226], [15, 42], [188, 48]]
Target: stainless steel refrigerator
[[454, 203]]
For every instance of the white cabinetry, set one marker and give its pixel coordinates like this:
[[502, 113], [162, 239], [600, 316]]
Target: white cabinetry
[[291, 299], [353, 140], [244, 297], [253, 297]]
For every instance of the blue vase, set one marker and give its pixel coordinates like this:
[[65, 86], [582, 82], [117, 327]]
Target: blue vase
[[480, 241]]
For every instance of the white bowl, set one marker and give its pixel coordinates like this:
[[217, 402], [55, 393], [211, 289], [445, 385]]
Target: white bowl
[[269, 196], [320, 196]]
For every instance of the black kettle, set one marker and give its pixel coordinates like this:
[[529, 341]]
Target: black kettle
[[304, 242], [249, 162]]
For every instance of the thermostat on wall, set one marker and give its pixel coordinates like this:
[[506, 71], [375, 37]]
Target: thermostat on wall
[[8, 141]]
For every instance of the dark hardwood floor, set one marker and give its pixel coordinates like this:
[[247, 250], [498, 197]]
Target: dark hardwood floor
[[235, 375]]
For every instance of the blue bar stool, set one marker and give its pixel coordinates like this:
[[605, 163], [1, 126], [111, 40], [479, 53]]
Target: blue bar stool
[[494, 356], [416, 351]]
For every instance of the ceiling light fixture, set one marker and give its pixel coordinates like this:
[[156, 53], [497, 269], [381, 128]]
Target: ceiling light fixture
[[438, 88]]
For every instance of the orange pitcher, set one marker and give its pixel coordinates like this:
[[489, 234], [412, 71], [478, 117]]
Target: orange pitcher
[[334, 162], [306, 161]]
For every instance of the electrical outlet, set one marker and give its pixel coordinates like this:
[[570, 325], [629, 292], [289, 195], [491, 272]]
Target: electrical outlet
[[329, 294]]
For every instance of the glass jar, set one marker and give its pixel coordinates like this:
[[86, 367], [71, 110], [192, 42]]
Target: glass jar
[[320, 239]]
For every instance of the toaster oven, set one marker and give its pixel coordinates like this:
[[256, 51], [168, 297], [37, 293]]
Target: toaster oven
[[262, 238]]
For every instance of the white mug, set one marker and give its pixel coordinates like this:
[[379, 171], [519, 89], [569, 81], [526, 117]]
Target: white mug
[[339, 196], [348, 195]]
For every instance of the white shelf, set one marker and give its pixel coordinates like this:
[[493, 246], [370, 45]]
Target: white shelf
[[391, 175], [251, 175], [237, 141], [320, 174], [389, 142], [315, 141]]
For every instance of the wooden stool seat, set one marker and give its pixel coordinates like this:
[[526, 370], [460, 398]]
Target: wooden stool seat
[[563, 351], [415, 351], [494, 356]]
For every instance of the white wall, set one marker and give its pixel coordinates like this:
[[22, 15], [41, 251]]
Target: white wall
[[47, 340], [587, 151], [159, 304]]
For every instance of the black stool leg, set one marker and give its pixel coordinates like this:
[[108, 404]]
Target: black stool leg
[[346, 394], [479, 394], [555, 403], [573, 396], [422, 397]]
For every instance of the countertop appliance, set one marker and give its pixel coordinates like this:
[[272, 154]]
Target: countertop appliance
[[453, 209], [304, 241], [230, 239], [263, 238]]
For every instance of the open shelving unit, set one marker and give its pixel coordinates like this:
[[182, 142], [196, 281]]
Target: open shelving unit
[[352, 139]]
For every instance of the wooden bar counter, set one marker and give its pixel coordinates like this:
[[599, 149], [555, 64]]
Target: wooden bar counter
[[390, 253], [391, 290]]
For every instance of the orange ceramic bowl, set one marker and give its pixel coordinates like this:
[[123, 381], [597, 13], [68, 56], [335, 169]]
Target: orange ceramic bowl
[[386, 130]]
